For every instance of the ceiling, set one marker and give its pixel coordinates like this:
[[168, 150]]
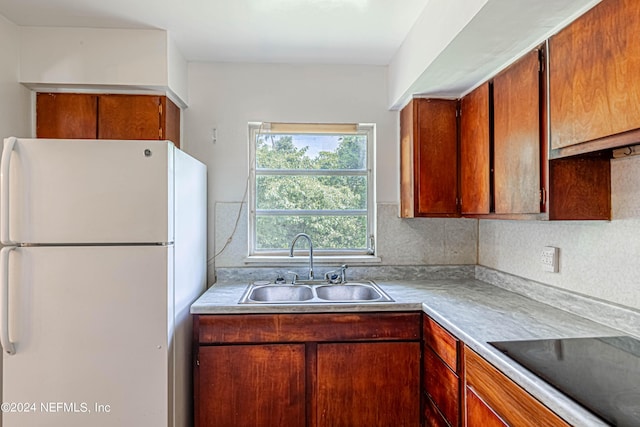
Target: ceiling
[[292, 31]]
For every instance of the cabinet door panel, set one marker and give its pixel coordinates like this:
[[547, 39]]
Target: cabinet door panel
[[479, 414], [594, 89], [66, 116], [436, 157], [516, 106], [511, 402], [475, 155], [368, 384], [442, 342], [442, 385], [429, 159], [251, 385], [129, 117]]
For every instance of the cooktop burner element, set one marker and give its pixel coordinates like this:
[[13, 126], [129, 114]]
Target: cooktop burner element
[[602, 374]]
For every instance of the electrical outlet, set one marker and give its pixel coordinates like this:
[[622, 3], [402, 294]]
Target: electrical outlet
[[549, 259]]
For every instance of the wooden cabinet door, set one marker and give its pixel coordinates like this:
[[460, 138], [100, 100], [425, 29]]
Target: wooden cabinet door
[[475, 152], [593, 75], [429, 158], [516, 118], [66, 115], [129, 117], [442, 386], [479, 414], [250, 385], [507, 399], [368, 384]]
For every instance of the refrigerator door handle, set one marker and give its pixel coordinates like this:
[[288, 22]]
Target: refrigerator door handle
[[7, 148], [7, 345]]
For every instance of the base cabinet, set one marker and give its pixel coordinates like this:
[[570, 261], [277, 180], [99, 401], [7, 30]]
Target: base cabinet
[[235, 391], [503, 398], [368, 384], [307, 370]]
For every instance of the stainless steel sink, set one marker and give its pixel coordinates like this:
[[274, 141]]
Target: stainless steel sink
[[281, 293], [350, 292], [314, 292]]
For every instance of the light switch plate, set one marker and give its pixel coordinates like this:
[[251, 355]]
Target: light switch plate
[[549, 259]]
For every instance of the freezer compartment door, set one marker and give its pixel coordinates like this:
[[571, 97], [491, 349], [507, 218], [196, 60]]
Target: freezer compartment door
[[90, 327], [86, 191]]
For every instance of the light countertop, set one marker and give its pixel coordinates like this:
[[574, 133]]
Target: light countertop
[[474, 311]]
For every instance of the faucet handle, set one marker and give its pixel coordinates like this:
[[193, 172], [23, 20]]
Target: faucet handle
[[294, 278], [343, 275]]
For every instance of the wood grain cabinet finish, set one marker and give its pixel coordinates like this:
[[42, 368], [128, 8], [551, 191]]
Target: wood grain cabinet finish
[[107, 116], [328, 369], [429, 159], [368, 384], [507, 400], [517, 137], [479, 414], [475, 152], [239, 384], [442, 373], [593, 78], [66, 115]]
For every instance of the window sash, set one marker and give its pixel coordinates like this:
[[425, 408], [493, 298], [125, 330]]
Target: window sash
[[283, 128]]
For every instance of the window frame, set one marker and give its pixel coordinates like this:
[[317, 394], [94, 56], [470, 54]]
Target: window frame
[[367, 129]]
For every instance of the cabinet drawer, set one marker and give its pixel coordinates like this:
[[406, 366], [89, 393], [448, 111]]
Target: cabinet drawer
[[442, 385], [432, 416], [259, 328], [507, 399], [441, 342]]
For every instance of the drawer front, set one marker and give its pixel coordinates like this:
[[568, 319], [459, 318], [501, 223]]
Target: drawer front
[[432, 416], [506, 398], [479, 414], [442, 342], [443, 386], [260, 328]]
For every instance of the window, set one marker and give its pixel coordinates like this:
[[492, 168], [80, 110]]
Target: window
[[314, 179]]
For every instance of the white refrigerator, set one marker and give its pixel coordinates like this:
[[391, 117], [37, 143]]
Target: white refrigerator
[[104, 250]]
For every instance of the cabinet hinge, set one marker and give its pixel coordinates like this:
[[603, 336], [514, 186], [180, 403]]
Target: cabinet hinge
[[160, 109], [160, 133], [543, 196], [458, 112]]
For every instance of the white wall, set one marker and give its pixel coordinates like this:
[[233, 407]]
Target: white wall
[[14, 98], [89, 58], [439, 23], [597, 258]]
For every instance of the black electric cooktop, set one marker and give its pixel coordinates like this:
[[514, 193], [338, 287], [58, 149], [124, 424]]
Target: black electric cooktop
[[602, 374]]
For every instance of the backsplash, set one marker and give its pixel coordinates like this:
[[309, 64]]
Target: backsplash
[[598, 259], [404, 272]]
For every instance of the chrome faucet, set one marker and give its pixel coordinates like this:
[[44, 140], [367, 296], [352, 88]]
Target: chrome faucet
[[293, 243]]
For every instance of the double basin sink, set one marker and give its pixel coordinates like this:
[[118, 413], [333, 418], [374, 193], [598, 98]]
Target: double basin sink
[[314, 292]]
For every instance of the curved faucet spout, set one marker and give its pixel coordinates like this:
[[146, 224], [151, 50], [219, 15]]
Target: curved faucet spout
[[293, 243]]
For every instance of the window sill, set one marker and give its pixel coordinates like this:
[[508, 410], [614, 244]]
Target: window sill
[[317, 260]]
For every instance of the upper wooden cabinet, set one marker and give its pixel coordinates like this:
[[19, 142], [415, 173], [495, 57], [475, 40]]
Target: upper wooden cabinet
[[475, 152], [66, 115], [501, 143], [517, 137], [90, 116], [593, 78], [429, 158]]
